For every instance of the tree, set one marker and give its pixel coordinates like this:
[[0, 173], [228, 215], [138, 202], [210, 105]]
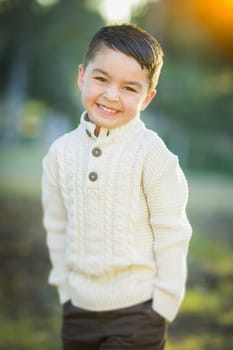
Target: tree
[[40, 51]]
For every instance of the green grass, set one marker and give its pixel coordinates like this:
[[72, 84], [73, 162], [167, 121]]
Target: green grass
[[27, 334], [204, 341], [217, 254]]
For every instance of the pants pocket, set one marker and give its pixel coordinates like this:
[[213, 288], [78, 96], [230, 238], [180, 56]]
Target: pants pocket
[[154, 315]]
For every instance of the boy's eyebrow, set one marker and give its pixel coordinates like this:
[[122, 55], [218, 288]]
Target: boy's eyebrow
[[135, 83]]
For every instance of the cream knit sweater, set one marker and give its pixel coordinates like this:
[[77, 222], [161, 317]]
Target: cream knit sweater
[[114, 212]]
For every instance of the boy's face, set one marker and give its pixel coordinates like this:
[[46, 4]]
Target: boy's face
[[114, 88]]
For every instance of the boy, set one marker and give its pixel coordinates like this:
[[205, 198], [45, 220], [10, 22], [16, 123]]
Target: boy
[[114, 201]]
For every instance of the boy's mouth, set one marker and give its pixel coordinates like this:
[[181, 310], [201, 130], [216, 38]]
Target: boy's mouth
[[107, 109]]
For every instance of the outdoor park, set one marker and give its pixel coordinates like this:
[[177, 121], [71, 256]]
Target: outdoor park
[[41, 45]]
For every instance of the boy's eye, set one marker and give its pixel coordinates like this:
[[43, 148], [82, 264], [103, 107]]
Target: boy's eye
[[129, 88], [102, 79]]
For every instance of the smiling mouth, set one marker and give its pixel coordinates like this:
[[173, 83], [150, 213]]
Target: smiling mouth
[[107, 109]]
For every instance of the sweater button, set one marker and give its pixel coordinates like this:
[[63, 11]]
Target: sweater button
[[93, 176], [96, 152]]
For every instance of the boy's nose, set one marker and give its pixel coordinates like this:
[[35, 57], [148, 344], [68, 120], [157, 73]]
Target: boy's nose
[[111, 93]]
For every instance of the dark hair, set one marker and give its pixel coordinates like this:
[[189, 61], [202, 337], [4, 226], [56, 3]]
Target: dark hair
[[132, 41]]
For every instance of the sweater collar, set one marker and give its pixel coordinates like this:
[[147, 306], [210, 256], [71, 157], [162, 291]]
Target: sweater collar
[[110, 134]]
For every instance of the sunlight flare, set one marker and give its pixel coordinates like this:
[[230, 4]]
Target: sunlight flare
[[118, 10]]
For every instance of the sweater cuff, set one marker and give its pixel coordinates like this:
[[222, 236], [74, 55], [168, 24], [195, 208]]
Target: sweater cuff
[[63, 293], [59, 280], [166, 305]]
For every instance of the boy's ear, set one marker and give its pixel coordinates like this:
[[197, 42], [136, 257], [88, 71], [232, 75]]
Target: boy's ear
[[149, 97], [80, 78]]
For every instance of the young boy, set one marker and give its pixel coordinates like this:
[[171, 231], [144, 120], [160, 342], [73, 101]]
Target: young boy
[[114, 200]]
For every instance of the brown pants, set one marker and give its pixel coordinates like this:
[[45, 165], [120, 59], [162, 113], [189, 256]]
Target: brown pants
[[137, 327]]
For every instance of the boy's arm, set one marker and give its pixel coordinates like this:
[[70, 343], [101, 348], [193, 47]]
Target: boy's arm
[[167, 198], [55, 222]]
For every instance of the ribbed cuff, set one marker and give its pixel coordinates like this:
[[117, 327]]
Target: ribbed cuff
[[63, 293], [166, 305]]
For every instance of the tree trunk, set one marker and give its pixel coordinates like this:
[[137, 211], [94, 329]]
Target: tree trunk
[[16, 89]]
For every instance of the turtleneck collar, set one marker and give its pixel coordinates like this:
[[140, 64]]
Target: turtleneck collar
[[118, 133]]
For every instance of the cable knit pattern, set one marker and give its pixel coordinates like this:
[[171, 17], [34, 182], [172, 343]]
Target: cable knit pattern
[[121, 238]]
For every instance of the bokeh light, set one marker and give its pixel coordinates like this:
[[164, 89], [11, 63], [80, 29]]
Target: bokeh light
[[47, 2], [118, 10]]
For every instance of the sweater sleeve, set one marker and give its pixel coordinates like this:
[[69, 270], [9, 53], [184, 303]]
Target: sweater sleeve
[[55, 222], [167, 193]]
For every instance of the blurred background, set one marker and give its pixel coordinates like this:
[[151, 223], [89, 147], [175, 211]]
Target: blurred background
[[41, 44]]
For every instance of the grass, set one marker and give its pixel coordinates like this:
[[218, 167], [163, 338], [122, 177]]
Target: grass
[[27, 334], [33, 320], [206, 341]]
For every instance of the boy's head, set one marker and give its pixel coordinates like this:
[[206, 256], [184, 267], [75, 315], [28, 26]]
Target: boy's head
[[133, 42], [119, 75]]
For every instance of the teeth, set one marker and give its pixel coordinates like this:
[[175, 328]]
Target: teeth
[[108, 109]]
